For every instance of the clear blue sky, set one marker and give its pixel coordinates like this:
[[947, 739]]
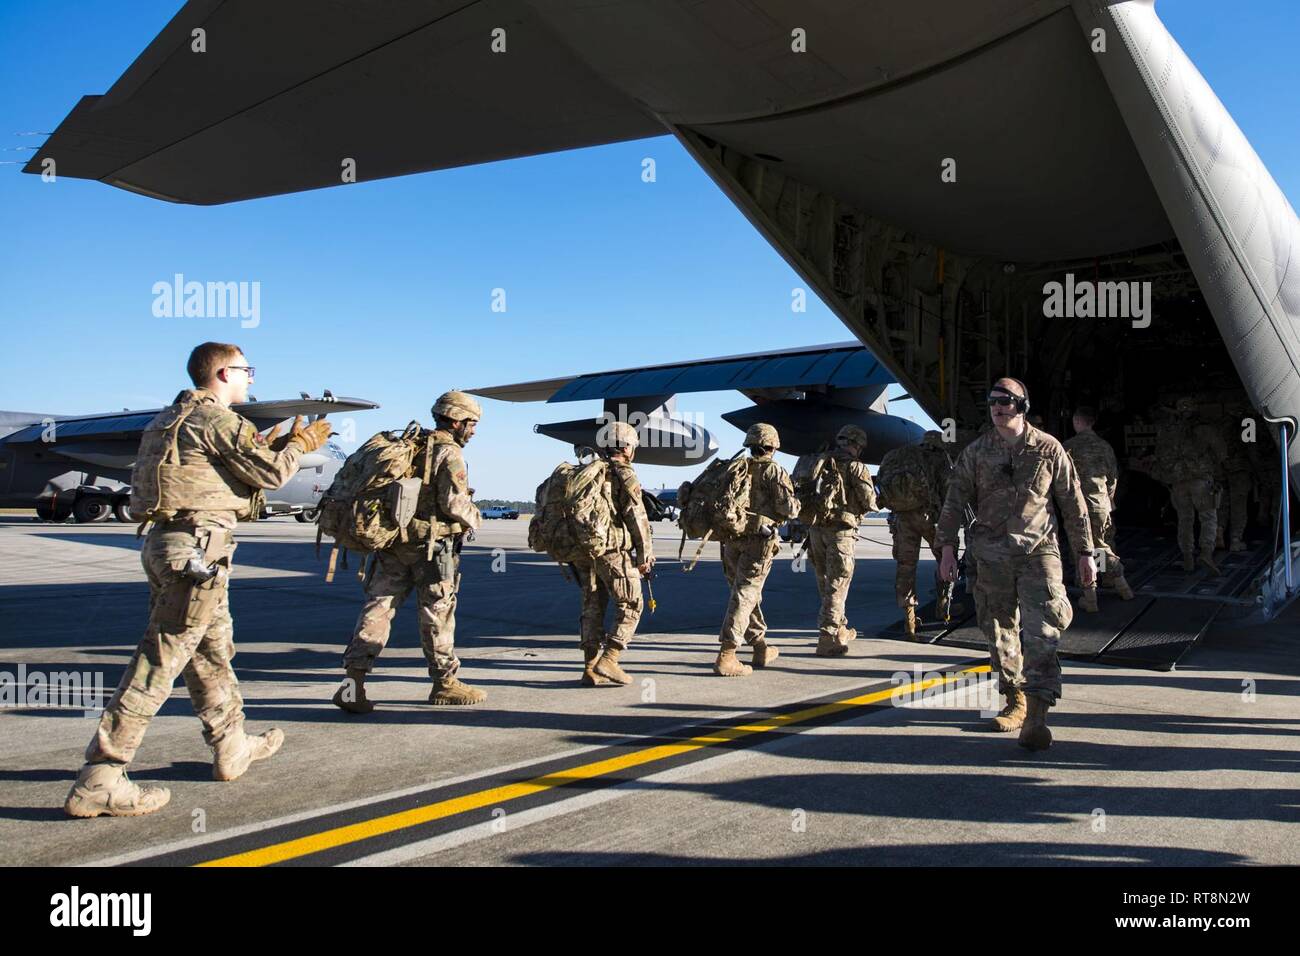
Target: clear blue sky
[[382, 289]]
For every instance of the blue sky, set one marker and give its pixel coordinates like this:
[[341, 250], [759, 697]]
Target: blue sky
[[382, 289]]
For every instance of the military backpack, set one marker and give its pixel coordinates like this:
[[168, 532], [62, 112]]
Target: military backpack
[[373, 497], [575, 519], [821, 489], [901, 485], [716, 504]]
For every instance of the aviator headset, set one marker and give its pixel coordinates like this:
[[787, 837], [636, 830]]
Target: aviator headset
[[1008, 397]]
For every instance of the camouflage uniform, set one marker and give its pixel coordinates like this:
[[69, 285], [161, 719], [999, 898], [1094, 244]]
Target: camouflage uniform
[[1098, 470], [615, 573], [832, 545], [747, 558], [928, 466], [1020, 600], [1186, 458], [1237, 469], [428, 563], [223, 466]]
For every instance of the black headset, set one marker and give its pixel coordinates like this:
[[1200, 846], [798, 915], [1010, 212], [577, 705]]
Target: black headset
[[1021, 403]]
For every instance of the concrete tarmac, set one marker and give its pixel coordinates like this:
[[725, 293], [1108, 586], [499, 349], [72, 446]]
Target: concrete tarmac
[[812, 761]]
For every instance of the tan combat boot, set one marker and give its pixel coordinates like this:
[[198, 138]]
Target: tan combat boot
[[1209, 564], [847, 634], [1088, 599], [1012, 716], [607, 666], [451, 692], [828, 645], [103, 789], [764, 654], [1034, 735], [1123, 590], [590, 652], [233, 754], [351, 695], [909, 621], [728, 665], [1238, 545]]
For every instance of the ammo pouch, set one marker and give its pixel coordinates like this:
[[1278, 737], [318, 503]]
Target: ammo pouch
[[402, 496]]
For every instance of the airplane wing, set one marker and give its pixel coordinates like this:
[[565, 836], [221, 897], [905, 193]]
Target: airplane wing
[[284, 93], [839, 365], [110, 440]]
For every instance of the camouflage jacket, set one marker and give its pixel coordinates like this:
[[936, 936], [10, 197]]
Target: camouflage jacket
[[629, 511], [445, 505], [1098, 469], [1188, 451], [221, 464], [1010, 489], [771, 496]]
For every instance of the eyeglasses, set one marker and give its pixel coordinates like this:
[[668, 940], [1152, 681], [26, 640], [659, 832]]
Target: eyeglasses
[[1002, 400], [250, 369]]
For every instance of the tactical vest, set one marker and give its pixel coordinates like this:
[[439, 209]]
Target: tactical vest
[[429, 519], [171, 477]]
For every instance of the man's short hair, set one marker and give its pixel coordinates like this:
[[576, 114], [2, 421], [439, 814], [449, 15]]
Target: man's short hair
[[1019, 384], [1087, 413], [209, 358]]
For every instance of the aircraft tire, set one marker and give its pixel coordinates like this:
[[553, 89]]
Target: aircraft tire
[[91, 508], [122, 510]]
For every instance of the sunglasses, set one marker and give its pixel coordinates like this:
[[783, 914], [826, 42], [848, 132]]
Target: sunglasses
[[250, 369], [1001, 400]]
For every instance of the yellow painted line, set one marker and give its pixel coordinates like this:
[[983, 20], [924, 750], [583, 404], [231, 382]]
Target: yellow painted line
[[416, 816]]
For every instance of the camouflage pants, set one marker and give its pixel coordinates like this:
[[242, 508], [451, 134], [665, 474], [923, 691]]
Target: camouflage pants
[[832, 551], [190, 634], [613, 575], [1192, 498], [1237, 492], [746, 563], [909, 529], [1022, 608], [1109, 566], [395, 574]]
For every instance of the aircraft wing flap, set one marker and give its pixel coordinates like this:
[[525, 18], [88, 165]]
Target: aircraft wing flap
[[843, 367], [285, 93]]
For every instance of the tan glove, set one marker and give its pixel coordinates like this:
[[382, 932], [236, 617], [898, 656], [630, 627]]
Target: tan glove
[[311, 437]]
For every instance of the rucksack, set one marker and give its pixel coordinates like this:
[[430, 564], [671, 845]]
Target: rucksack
[[373, 496], [716, 504], [822, 490], [901, 486], [575, 513]]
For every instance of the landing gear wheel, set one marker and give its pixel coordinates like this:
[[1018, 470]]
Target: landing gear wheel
[[307, 515], [122, 510], [91, 508]]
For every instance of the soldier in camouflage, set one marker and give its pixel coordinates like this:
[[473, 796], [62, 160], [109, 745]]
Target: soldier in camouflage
[[200, 469], [1098, 470], [616, 574], [913, 483], [1238, 476], [747, 559], [1010, 476], [1186, 459], [426, 562], [833, 518]]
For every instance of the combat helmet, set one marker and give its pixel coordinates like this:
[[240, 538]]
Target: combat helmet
[[932, 439], [761, 434], [619, 435], [457, 406], [853, 435]]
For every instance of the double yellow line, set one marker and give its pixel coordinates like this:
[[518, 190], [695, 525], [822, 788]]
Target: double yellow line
[[495, 796]]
